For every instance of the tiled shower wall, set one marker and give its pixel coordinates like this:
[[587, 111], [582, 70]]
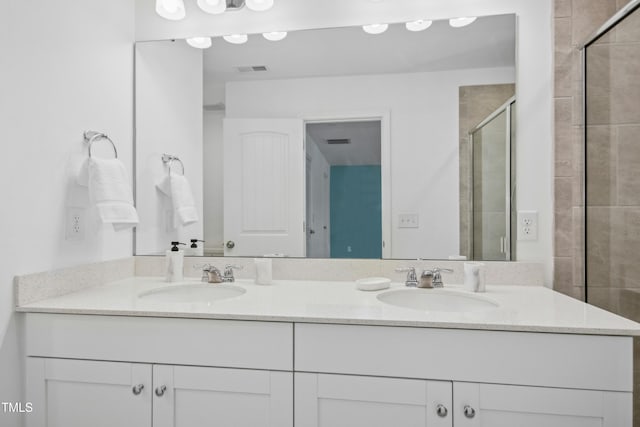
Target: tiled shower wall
[[575, 21], [613, 150]]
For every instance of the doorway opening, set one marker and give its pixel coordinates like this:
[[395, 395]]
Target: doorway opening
[[344, 189]]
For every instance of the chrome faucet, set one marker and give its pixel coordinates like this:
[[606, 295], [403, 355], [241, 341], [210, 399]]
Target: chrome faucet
[[211, 274], [428, 279], [411, 280], [228, 272]]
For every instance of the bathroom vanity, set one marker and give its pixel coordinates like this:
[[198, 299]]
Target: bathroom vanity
[[321, 353]]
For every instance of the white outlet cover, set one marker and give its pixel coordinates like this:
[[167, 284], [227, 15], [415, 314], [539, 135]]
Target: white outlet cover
[[75, 223], [528, 225]]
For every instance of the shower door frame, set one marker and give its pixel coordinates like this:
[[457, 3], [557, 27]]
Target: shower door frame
[[612, 22], [507, 245]]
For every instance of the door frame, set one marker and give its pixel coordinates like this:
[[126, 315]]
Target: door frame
[[384, 117]]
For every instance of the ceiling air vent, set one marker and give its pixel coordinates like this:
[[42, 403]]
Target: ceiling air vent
[[251, 68], [338, 141]]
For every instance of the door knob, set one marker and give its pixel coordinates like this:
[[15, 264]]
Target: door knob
[[231, 244], [160, 390], [137, 389]]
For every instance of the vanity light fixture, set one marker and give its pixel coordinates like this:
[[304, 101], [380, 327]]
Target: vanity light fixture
[[259, 5], [275, 36], [236, 38], [462, 22], [375, 28], [419, 25], [172, 10], [199, 42], [213, 6]]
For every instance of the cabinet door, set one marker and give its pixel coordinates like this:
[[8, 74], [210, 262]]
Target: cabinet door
[[489, 405], [323, 400], [187, 396], [79, 393]]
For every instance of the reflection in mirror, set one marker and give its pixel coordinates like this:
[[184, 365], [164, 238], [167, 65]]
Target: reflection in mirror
[[333, 143]]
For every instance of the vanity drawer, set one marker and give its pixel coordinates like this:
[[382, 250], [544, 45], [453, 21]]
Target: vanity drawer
[[201, 342], [502, 357]]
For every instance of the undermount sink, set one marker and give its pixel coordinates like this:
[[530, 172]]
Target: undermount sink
[[192, 293], [437, 300]]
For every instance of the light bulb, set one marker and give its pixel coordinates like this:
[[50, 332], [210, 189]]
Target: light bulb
[[275, 36], [236, 38], [213, 6], [259, 5], [419, 25], [375, 28], [461, 22], [170, 9], [199, 42]]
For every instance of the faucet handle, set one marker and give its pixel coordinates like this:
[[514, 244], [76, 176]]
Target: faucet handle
[[228, 271], [412, 278], [437, 276], [205, 271]]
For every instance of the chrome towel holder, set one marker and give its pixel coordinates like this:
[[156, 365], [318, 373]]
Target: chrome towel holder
[[92, 136], [169, 159]]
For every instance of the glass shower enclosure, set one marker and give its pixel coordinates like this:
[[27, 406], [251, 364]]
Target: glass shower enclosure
[[493, 185]]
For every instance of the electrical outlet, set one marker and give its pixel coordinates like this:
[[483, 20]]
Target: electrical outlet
[[75, 224], [408, 221], [527, 225]]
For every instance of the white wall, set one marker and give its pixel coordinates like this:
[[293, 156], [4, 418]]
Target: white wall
[[66, 66], [168, 120], [534, 76], [424, 138]]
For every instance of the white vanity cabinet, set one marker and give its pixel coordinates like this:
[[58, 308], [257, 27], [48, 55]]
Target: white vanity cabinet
[[69, 393], [493, 405], [158, 372], [494, 378], [173, 372], [323, 400]]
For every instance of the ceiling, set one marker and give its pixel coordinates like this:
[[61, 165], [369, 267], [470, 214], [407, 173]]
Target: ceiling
[[486, 43], [364, 148]]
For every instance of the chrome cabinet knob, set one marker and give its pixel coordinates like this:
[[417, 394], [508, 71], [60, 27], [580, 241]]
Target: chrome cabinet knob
[[442, 411], [231, 244], [469, 412], [137, 389], [160, 390]]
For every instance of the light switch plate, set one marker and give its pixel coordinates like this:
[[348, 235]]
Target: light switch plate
[[408, 220]]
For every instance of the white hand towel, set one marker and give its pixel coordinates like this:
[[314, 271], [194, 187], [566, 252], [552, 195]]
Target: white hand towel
[[178, 189], [110, 191]]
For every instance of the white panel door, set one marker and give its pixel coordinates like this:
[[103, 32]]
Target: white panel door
[[264, 187], [488, 405], [323, 400], [81, 393], [187, 396]]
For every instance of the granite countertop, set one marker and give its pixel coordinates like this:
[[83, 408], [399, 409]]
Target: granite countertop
[[520, 308]]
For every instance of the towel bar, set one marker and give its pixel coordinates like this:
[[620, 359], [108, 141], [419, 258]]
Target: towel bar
[[91, 136], [169, 159]]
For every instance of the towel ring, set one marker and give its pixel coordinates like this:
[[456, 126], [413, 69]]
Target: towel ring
[[90, 137], [169, 159]]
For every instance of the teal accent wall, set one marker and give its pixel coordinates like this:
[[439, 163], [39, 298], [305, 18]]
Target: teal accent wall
[[356, 212]]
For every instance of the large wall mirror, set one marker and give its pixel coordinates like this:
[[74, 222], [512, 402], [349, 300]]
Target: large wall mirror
[[331, 143]]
